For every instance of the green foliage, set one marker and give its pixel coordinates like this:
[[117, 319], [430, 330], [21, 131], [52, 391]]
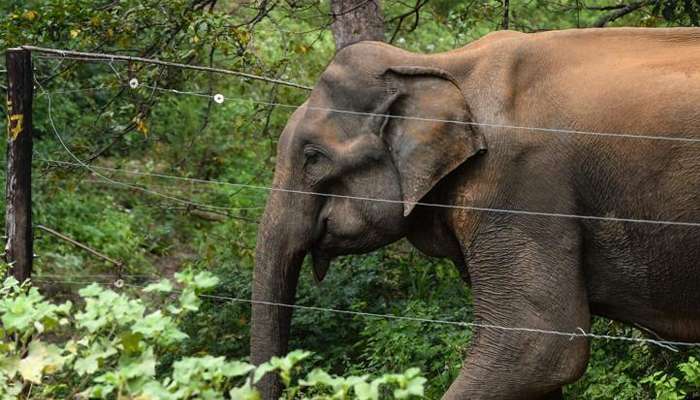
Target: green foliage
[[691, 372], [407, 385], [111, 346], [670, 387], [665, 387]]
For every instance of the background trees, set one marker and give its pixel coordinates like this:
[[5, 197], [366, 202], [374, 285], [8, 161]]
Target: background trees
[[111, 125]]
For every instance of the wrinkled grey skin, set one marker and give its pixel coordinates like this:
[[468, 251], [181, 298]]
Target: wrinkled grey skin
[[539, 272]]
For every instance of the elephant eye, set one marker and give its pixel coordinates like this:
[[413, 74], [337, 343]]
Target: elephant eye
[[312, 158], [312, 155], [317, 164]]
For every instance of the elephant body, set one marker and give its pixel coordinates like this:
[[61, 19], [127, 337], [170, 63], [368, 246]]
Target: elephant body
[[590, 214]]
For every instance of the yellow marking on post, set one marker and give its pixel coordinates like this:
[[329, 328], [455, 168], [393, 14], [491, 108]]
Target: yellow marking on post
[[13, 132]]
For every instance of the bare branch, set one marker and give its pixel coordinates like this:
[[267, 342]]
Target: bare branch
[[413, 11], [605, 8], [116, 57], [619, 13], [80, 245]]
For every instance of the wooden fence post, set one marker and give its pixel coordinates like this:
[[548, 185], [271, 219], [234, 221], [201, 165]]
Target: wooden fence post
[[18, 183]]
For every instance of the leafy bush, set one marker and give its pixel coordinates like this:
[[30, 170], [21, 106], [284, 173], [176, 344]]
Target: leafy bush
[[669, 387], [110, 348], [634, 371]]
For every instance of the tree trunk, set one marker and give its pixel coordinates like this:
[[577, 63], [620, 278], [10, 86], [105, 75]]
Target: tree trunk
[[356, 20]]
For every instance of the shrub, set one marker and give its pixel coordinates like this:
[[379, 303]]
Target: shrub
[[110, 347]]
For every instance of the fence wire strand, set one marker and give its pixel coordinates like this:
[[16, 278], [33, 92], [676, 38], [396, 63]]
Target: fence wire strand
[[448, 121], [577, 333], [81, 163], [380, 200], [110, 58]]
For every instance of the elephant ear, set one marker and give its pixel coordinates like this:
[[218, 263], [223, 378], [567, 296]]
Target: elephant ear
[[425, 142]]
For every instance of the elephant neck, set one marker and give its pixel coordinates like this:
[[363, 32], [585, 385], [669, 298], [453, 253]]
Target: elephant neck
[[445, 232], [430, 232]]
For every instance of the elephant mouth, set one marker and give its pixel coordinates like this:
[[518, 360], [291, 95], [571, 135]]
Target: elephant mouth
[[321, 261]]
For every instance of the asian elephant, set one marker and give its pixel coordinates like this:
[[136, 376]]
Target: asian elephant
[[572, 219]]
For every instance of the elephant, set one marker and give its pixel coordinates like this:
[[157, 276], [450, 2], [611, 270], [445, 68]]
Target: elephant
[[559, 171]]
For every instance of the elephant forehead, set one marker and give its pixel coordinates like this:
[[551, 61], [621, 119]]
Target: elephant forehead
[[325, 119], [323, 124], [356, 89]]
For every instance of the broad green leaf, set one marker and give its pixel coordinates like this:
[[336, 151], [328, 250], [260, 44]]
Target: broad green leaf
[[92, 290], [41, 359], [319, 377], [130, 341], [152, 324], [245, 393], [236, 368], [155, 391], [262, 370], [189, 300], [29, 312], [9, 364], [413, 388], [138, 367], [366, 391], [93, 357], [164, 286], [205, 280]]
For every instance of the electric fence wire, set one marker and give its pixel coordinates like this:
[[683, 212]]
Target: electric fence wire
[[82, 164], [91, 57], [87, 89], [103, 278], [203, 189], [427, 119], [380, 200], [577, 333]]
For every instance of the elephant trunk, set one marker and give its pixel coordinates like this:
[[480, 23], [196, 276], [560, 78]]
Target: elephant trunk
[[279, 254]]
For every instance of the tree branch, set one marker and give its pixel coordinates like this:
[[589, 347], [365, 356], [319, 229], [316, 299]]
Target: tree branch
[[619, 13], [413, 11], [605, 8], [116, 57], [80, 245]]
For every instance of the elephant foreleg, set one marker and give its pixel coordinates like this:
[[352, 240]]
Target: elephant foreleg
[[534, 286], [524, 369]]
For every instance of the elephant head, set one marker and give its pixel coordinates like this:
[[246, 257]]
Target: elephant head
[[394, 143]]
